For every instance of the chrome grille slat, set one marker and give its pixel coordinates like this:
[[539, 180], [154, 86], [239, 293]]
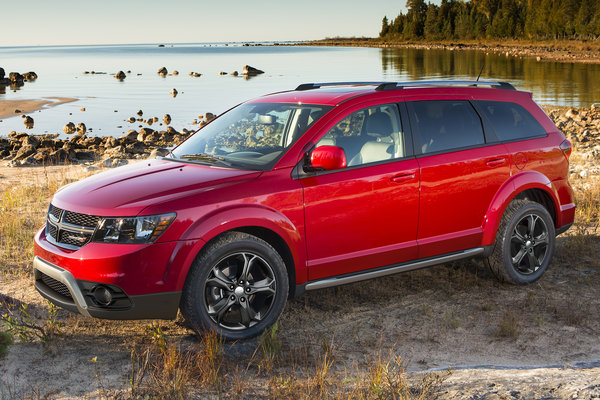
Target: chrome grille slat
[[69, 229]]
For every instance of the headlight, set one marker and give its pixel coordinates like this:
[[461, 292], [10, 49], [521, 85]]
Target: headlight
[[132, 230]]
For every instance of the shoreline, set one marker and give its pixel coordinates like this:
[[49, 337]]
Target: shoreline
[[556, 51], [9, 108]]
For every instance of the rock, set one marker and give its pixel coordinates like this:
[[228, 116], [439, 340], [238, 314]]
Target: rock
[[120, 75], [59, 156], [85, 155], [171, 130], [24, 152], [144, 132], [69, 128], [15, 77], [135, 148], [160, 152], [167, 119], [163, 71], [81, 128], [195, 74], [571, 113], [131, 120], [2, 73], [28, 121], [235, 73], [17, 111], [222, 73], [30, 76], [175, 72], [174, 92], [140, 113], [110, 142], [248, 70], [150, 121], [155, 119], [82, 109], [131, 135], [209, 116], [30, 141], [112, 163], [91, 168]]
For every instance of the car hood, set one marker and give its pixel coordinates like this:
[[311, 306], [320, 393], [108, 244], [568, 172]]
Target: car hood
[[127, 190]]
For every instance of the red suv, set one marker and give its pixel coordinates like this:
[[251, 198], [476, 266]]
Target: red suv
[[320, 186]]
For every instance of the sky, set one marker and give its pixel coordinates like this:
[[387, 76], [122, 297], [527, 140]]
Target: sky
[[58, 22]]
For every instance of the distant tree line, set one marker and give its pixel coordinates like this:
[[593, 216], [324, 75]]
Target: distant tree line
[[495, 19]]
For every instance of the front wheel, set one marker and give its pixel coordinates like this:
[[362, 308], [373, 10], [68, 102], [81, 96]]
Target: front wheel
[[237, 286], [524, 243]]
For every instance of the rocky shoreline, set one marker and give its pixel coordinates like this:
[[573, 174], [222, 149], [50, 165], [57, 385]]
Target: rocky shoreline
[[559, 51], [580, 125]]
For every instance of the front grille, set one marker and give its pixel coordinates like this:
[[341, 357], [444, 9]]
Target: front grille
[[57, 286], [74, 218], [69, 229]]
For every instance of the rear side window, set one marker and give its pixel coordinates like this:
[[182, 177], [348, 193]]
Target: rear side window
[[445, 124], [510, 121]]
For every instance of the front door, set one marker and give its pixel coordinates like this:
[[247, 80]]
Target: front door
[[365, 215]]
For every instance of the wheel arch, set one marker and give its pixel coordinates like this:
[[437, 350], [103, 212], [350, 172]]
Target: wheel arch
[[529, 185], [262, 222]]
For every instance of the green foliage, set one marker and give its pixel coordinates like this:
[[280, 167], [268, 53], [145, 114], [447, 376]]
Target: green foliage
[[6, 340], [22, 324], [270, 347], [495, 19]]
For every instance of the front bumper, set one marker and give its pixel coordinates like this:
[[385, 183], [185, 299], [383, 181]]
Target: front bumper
[[61, 288]]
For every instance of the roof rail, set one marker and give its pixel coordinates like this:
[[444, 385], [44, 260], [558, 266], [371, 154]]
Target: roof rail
[[309, 86], [404, 85]]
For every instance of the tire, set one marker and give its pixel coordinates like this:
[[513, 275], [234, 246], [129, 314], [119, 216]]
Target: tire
[[237, 286], [524, 243]]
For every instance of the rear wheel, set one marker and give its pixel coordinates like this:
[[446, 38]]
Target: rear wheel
[[524, 243], [237, 286]]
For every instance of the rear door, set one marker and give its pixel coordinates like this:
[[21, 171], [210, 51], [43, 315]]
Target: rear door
[[365, 215], [461, 170]]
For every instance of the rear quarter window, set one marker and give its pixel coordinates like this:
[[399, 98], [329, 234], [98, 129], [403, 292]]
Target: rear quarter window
[[510, 121], [443, 125]]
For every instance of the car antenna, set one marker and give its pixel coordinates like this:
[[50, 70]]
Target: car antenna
[[480, 71]]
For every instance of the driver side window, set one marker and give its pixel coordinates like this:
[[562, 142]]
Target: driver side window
[[369, 135]]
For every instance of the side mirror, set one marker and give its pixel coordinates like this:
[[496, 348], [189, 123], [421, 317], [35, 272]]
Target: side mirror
[[326, 158]]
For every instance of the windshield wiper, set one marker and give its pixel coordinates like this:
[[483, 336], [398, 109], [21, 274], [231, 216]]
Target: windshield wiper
[[206, 158]]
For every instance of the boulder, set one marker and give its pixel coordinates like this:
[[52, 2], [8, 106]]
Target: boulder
[[140, 113], [83, 155], [28, 121], [2, 73], [110, 142], [171, 130], [163, 71], [135, 148], [174, 92], [209, 116], [248, 70], [30, 141], [30, 76], [15, 77], [69, 128], [120, 75], [141, 137], [24, 151], [131, 120], [81, 128], [160, 152], [235, 73], [131, 135], [175, 72], [167, 119]]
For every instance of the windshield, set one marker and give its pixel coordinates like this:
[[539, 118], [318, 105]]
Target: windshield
[[250, 136]]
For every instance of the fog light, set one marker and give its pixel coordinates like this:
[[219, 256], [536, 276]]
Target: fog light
[[102, 295]]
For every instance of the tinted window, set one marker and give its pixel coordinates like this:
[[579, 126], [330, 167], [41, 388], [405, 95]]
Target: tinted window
[[510, 121], [445, 124], [369, 135]]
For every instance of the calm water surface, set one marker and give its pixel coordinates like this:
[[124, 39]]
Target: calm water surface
[[109, 102]]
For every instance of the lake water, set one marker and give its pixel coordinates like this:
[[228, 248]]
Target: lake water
[[109, 102]]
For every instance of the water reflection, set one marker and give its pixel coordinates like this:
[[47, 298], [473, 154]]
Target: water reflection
[[558, 83]]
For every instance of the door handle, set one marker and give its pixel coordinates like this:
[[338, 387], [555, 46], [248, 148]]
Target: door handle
[[496, 162], [403, 178]]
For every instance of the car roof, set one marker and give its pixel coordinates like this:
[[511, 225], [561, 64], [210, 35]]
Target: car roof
[[334, 93]]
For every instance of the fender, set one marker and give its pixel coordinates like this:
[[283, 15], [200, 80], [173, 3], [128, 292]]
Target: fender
[[507, 192], [241, 216]]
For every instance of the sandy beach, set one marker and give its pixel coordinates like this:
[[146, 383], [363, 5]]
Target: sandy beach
[[10, 108]]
